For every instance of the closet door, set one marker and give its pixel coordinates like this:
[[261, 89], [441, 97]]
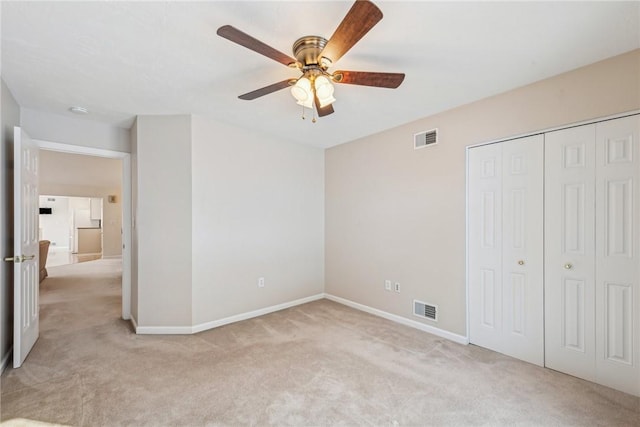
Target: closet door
[[505, 248], [570, 251], [617, 268], [522, 248], [485, 246]]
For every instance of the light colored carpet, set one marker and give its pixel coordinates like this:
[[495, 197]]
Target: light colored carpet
[[316, 364]]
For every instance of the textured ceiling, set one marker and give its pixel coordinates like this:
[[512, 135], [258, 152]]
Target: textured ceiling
[[122, 59]]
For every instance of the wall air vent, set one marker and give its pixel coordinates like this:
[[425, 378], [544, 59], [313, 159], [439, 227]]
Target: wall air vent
[[424, 310], [425, 139]]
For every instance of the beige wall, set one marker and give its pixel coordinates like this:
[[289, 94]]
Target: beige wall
[[216, 207], [9, 117], [112, 212], [396, 213], [258, 211], [162, 220]]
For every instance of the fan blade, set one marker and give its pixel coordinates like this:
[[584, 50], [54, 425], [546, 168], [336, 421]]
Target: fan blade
[[266, 90], [243, 39], [362, 17], [365, 78], [322, 111]]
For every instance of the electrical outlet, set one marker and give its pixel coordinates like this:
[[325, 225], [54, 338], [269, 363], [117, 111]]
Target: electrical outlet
[[397, 287], [261, 282], [387, 285]]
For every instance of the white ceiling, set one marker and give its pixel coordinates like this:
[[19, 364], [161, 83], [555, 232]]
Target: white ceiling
[[122, 59], [79, 170]]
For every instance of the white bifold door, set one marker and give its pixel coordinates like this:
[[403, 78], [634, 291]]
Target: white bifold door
[[505, 244], [554, 250], [592, 252]]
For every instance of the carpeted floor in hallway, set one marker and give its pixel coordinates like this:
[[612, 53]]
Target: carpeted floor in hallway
[[316, 364]]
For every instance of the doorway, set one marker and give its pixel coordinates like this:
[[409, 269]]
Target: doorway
[[123, 225], [73, 227]]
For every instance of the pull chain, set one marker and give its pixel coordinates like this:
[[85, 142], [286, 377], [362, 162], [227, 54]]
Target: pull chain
[[313, 120]]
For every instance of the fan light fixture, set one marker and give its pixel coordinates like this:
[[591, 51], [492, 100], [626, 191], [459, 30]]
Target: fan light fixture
[[313, 55], [303, 92]]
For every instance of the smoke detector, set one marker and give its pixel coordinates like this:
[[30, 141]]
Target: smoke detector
[[79, 110]]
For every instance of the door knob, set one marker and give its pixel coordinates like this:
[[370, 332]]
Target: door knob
[[19, 259], [521, 262], [568, 266]]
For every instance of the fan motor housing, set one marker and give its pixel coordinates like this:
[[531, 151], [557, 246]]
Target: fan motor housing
[[307, 51]]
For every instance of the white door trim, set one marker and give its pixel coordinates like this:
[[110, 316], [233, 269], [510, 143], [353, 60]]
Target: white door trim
[[126, 207], [555, 128]]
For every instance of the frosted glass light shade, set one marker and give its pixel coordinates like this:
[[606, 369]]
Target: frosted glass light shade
[[324, 91], [301, 91], [306, 103]]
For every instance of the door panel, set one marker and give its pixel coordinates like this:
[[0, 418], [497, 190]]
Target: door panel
[[522, 248], [573, 218], [485, 246], [618, 323], [26, 247], [617, 263], [505, 248], [489, 298], [573, 312], [569, 251]]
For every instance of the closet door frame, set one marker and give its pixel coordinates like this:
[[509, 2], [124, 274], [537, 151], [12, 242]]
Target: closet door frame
[[600, 357]]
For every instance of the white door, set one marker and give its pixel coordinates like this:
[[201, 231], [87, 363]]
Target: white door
[[484, 233], [592, 306], [617, 268], [506, 248], [570, 251], [522, 248], [26, 247]]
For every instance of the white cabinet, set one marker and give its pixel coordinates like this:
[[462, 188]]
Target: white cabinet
[[505, 245], [591, 267]]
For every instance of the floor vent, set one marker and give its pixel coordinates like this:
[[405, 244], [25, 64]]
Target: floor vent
[[425, 139], [424, 310]]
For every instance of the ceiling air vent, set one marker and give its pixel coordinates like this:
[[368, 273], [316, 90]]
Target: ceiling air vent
[[425, 139], [424, 310]]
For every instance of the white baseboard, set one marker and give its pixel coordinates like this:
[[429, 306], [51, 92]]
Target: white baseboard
[[169, 330], [185, 330], [164, 330], [251, 314], [5, 360], [134, 323], [111, 256], [402, 320]]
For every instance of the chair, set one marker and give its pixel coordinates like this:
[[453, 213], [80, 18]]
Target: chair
[[44, 251]]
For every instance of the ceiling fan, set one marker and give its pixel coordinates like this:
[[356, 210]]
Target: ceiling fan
[[313, 57]]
